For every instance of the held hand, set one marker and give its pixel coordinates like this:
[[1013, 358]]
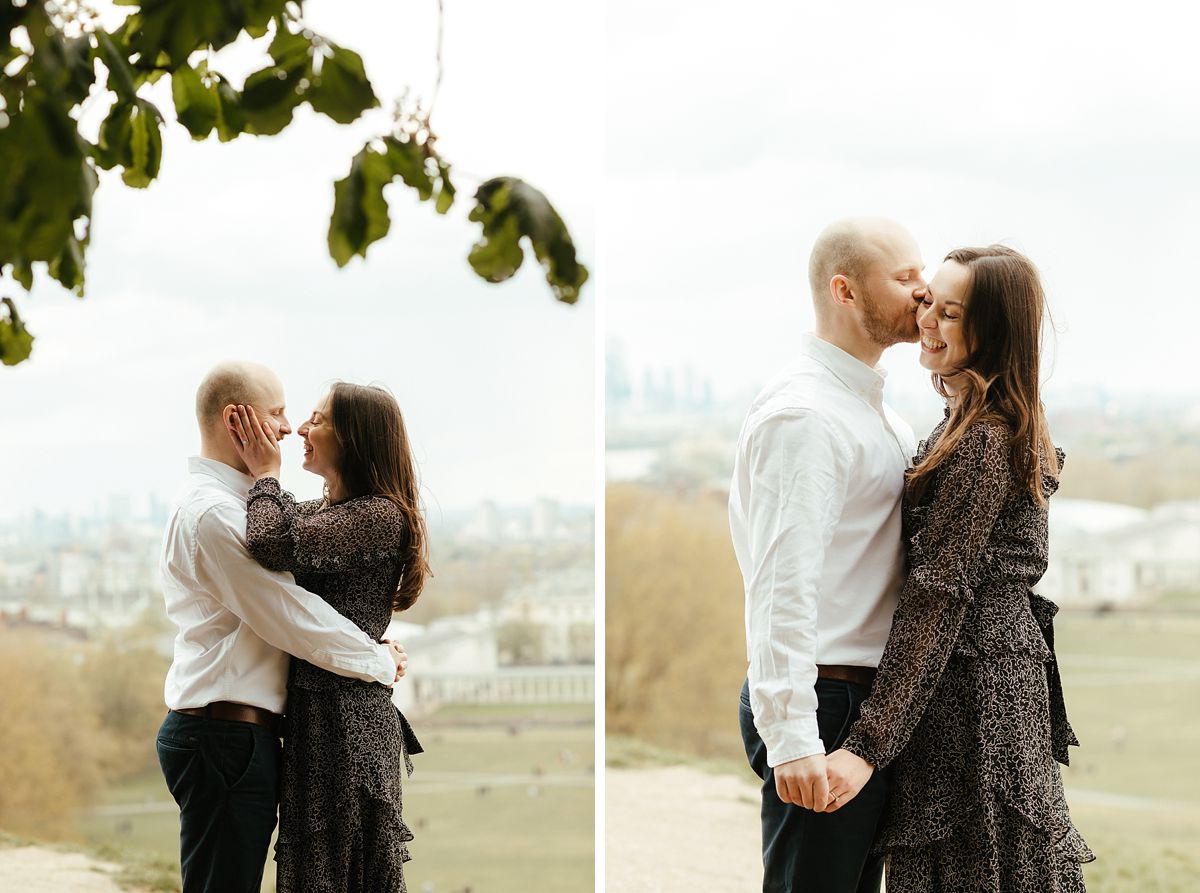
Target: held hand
[[803, 782], [254, 441], [399, 656], [847, 775]]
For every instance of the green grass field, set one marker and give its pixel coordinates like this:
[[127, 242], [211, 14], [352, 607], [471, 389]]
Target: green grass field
[[502, 799], [1132, 684]]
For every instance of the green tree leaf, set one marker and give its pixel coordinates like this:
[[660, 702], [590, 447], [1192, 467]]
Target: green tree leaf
[[67, 268], [286, 48], [145, 144], [498, 255], [113, 147], [120, 74], [408, 163], [10, 17], [43, 188], [231, 121], [77, 72], [360, 213], [196, 106], [445, 198], [259, 14], [271, 95], [60, 65], [342, 91], [168, 31], [510, 209], [22, 271], [16, 343]]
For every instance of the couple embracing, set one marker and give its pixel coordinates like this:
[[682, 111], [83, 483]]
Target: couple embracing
[[902, 698], [256, 643]]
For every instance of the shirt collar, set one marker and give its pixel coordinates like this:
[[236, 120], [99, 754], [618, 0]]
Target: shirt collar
[[226, 474], [851, 371]]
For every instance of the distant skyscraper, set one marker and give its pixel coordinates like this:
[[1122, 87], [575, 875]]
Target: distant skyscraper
[[545, 521], [669, 395], [158, 510], [120, 507], [618, 387], [486, 524]]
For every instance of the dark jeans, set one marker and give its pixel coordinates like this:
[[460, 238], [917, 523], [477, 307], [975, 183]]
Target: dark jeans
[[225, 777], [811, 852]]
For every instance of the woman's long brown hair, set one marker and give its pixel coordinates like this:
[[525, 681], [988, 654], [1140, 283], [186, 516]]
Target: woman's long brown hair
[[376, 460], [998, 380]]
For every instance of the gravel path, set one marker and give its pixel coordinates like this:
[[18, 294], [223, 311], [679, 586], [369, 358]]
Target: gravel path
[[32, 869], [681, 830]]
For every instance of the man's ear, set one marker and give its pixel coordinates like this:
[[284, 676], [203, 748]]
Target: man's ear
[[227, 416], [840, 290]]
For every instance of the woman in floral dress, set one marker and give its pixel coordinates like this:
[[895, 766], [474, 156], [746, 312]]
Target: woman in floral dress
[[967, 706], [363, 549]]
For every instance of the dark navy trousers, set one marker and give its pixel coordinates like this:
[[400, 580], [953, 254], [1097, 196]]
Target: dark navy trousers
[[225, 777], [811, 852]]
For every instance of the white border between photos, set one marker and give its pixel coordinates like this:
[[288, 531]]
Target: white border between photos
[[598, 510]]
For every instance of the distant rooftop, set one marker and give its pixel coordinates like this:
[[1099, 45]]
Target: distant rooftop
[[1091, 516]]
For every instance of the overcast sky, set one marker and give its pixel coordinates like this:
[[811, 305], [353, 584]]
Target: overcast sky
[[736, 133], [225, 256]]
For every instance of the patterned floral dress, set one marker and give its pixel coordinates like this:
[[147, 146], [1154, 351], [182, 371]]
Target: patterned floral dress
[[967, 706], [340, 827]]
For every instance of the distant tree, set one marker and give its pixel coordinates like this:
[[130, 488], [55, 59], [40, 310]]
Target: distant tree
[[1164, 472], [57, 60], [521, 642], [675, 648], [467, 579], [582, 638], [123, 675], [53, 746]]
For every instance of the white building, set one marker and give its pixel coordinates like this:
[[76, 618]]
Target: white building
[[1103, 553], [454, 660], [563, 604], [447, 648]]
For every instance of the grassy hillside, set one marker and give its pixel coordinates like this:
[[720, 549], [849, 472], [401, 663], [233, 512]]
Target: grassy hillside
[[676, 660]]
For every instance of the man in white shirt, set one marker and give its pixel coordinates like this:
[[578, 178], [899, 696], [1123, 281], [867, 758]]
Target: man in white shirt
[[219, 744], [814, 513]]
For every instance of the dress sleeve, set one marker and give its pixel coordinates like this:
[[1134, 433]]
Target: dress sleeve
[[276, 609], [970, 490], [283, 535]]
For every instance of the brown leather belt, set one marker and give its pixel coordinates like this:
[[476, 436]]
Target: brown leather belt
[[863, 676], [228, 710]]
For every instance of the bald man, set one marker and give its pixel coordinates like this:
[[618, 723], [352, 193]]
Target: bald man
[[814, 514], [219, 744]]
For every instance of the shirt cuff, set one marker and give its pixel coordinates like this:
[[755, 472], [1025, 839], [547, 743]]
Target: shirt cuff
[[386, 674], [381, 670], [791, 739]]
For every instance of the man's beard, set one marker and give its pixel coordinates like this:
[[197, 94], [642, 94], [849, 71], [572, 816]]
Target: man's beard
[[885, 331]]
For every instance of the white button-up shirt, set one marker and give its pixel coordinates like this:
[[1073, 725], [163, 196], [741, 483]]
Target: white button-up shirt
[[814, 513], [238, 622]]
